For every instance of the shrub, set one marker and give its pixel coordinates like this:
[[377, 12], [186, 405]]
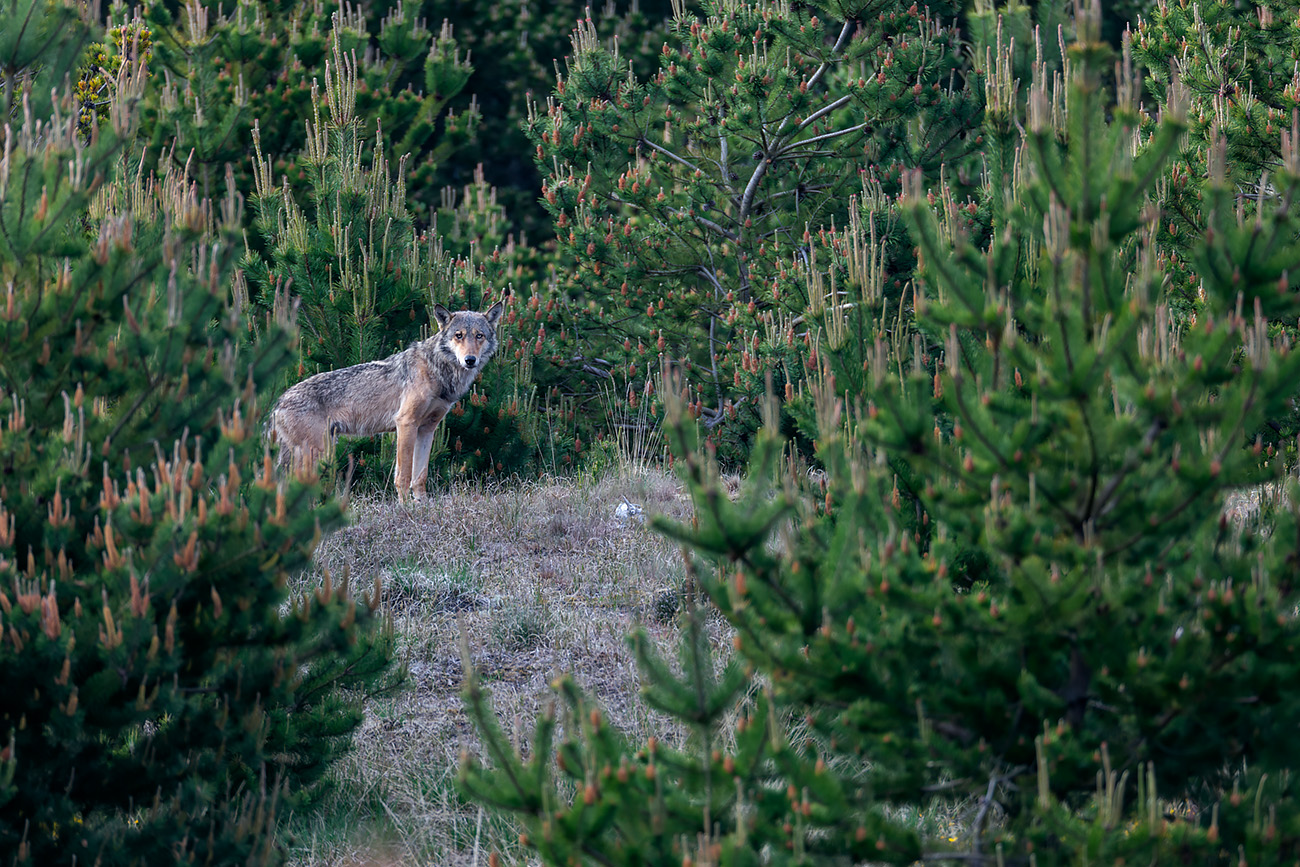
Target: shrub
[[698, 206], [164, 699], [225, 69], [1105, 678]]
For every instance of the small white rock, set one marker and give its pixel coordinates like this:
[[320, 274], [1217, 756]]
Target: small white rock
[[629, 512]]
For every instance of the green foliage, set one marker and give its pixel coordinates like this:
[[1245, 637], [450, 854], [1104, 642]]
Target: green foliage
[[227, 69], [617, 804], [43, 53], [347, 256], [256, 62], [1014, 587], [700, 204], [515, 45], [1238, 102], [224, 76], [126, 44], [165, 700]]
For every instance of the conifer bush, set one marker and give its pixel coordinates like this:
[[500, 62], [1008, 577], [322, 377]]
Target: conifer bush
[[1014, 596], [224, 75], [224, 69], [514, 45], [702, 207], [165, 700], [1240, 89], [435, 76]]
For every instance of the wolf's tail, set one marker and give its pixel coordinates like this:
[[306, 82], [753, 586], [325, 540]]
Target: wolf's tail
[[268, 425]]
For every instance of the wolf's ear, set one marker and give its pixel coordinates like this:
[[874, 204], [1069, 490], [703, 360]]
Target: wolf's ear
[[442, 314], [494, 312]]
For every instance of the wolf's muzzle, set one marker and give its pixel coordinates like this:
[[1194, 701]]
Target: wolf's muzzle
[[470, 361]]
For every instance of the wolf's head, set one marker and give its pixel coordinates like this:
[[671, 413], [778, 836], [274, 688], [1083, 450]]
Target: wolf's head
[[470, 336]]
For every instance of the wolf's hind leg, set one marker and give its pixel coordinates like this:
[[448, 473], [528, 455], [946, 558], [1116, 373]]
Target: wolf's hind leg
[[303, 439]]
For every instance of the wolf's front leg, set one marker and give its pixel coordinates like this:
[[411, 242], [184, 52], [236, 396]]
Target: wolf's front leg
[[406, 439], [420, 464]]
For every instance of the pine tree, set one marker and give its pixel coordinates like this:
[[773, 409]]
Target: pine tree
[[223, 70], [686, 199], [611, 801], [339, 256], [1240, 90], [1015, 587], [219, 71], [515, 45], [160, 705]]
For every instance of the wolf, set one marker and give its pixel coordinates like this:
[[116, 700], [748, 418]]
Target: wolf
[[408, 392]]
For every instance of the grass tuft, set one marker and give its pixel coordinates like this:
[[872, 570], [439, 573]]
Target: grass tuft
[[520, 628]]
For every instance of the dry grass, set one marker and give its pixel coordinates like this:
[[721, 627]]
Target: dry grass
[[545, 579]]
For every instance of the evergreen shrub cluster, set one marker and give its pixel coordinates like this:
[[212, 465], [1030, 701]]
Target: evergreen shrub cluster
[[363, 138], [164, 699], [1012, 618], [1019, 284]]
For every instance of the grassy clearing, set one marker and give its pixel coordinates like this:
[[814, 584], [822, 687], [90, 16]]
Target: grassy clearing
[[545, 578]]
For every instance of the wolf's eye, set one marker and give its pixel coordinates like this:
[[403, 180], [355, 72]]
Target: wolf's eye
[[479, 336], [460, 335]]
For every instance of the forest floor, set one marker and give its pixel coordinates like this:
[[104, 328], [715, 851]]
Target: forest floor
[[540, 578]]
